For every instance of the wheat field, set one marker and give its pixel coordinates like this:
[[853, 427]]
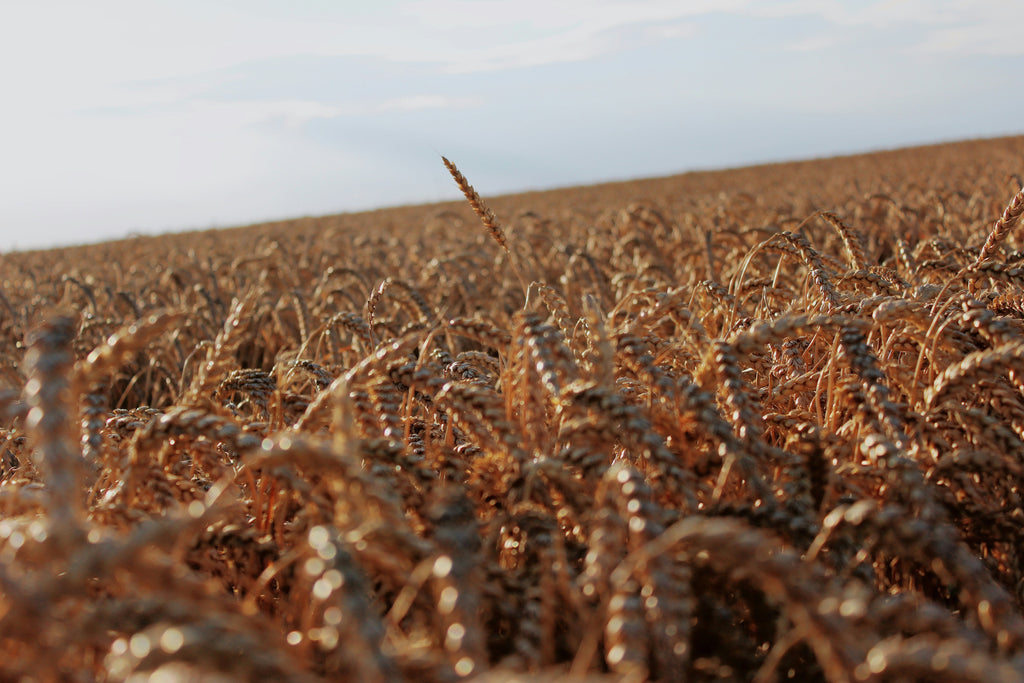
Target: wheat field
[[760, 424]]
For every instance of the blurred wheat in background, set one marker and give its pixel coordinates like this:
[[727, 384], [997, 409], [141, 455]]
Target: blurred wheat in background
[[762, 424]]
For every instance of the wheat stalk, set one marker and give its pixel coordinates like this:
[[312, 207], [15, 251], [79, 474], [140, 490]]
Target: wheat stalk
[[486, 217]]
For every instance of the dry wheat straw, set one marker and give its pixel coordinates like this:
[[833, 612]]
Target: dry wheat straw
[[360, 456]]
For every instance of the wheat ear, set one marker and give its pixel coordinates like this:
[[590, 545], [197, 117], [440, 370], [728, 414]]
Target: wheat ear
[[852, 240], [487, 217], [1003, 226]]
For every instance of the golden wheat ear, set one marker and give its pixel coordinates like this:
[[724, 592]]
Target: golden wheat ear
[[1002, 227], [487, 217]]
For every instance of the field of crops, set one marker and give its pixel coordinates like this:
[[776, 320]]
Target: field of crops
[[760, 424]]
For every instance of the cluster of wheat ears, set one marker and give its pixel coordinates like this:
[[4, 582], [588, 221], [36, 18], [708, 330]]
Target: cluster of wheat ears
[[731, 434]]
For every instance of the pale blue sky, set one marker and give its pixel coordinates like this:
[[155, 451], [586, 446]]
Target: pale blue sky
[[137, 116]]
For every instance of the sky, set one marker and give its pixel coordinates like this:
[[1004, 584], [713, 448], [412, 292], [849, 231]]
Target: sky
[[145, 116]]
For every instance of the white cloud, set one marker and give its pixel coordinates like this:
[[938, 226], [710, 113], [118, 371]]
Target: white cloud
[[543, 15], [878, 14], [955, 28], [995, 39], [297, 113], [815, 43], [117, 41], [72, 56], [420, 102], [540, 32]]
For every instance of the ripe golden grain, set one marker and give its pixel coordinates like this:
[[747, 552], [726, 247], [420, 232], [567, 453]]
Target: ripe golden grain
[[714, 438]]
